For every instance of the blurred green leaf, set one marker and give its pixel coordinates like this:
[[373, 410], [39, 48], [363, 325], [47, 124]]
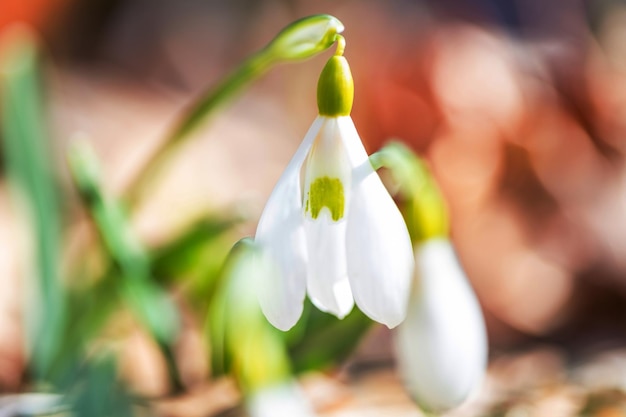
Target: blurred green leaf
[[195, 258], [97, 392], [182, 252], [150, 303], [154, 307], [88, 310], [323, 340], [107, 214], [29, 165]]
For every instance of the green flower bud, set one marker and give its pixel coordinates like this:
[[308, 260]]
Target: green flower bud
[[305, 37], [335, 88]]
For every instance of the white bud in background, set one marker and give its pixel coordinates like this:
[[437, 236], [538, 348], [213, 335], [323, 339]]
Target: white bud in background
[[442, 344]]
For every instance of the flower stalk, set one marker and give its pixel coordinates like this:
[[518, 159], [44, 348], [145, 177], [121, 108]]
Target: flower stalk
[[300, 40], [424, 207]]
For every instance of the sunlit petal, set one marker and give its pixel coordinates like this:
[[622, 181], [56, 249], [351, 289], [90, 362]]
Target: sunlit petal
[[280, 233], [442, 345], [326, 194], [379, 253], [327, 279]]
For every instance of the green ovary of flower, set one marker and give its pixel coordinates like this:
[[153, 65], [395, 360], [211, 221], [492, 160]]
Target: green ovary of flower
[[326, 192]]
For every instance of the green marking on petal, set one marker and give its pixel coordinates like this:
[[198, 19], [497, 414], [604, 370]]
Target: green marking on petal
[[326, 192]]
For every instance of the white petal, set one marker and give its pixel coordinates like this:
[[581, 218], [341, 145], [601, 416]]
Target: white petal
[[379, 252], [442, 344], [280, 233], [327, 278]]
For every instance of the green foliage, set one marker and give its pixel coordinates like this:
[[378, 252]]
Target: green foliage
[[31, 172], [150, 303], [320, 340], [97, 392], [195, 257]]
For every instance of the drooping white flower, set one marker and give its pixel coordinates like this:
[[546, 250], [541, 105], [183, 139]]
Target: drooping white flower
[[442, 343], [330, 228]]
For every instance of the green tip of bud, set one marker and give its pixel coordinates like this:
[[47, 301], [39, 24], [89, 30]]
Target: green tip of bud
[[305, 37], [335, 88]]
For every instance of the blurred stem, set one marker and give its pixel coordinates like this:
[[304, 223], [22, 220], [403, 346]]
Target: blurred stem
[[424, 208], [196, 255], [299, 40], [30, 169], [172, 368], [199, 111], [251, 69], [88, 310], [149, 302]]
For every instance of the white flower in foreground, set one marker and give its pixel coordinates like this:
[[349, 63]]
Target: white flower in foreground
[[340, 238], [442, 344], [285, 400]]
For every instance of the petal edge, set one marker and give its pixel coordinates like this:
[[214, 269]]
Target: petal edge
[[379, 252], [280, 233]]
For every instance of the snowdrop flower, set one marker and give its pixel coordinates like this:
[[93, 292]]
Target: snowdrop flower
[[442, 344], [330, 228]]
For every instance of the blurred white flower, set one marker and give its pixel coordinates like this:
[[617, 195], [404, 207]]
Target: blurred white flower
[[285, 400], [442, 344], [341, 238]]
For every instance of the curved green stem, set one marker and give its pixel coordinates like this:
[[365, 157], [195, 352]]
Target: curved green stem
[[424, 208], [300, 40], [200, 110], [341, 45]]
